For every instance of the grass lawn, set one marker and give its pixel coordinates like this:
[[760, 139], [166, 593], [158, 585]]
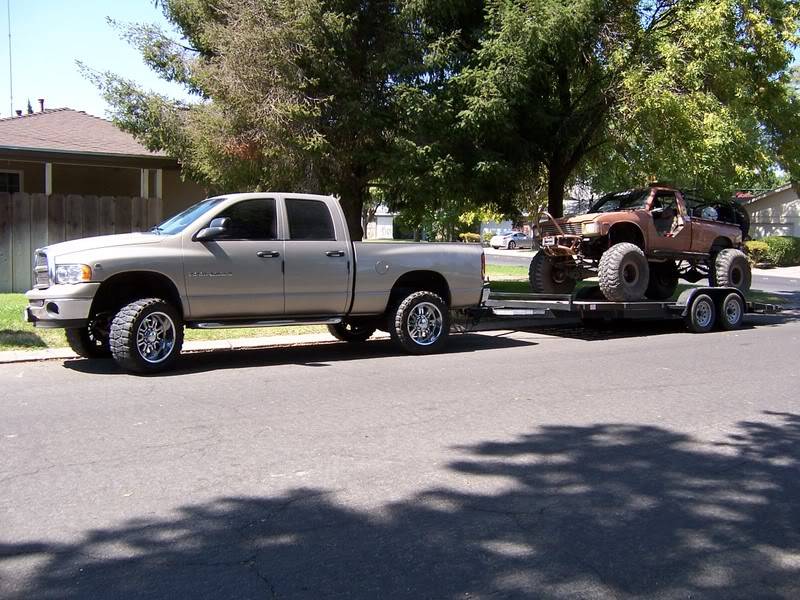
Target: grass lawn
[[15, 334]]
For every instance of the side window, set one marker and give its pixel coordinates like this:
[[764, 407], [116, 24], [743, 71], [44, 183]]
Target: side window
[[309, 220], [251, 220], [10, 182]]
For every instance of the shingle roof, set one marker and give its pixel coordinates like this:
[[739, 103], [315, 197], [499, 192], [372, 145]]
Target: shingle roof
[[68, 130]]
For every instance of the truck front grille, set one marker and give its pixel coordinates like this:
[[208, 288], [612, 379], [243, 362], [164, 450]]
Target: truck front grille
[[41, 275], [550, 228]]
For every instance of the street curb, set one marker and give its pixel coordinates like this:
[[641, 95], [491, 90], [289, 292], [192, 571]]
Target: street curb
[[254, 343]]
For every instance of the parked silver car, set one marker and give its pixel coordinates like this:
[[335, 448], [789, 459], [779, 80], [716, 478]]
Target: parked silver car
[[511, 240]]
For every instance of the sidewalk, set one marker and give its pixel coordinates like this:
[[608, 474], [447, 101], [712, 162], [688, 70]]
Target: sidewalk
[[786, 272], [14, 356]]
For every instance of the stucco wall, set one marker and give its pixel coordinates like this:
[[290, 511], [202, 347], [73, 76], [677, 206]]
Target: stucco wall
[[178, 194], [96, 181], [775, 214], [32, 174]]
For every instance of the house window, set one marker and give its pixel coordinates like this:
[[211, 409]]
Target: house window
[[10, 181]]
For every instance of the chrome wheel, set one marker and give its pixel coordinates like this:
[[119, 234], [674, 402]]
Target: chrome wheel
[[155, 337], [425, 323]]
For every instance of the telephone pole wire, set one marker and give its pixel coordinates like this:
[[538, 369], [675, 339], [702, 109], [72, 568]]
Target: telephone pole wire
[[10, 76]]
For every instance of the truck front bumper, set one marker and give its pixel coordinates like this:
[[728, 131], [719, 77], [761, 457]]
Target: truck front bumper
[[60, 306]]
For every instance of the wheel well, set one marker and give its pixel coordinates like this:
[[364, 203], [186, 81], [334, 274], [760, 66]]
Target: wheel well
[[122, 289], [626, 232], [419, 280], [720, 244]]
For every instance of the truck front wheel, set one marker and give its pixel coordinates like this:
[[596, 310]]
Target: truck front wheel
[[663, 280], [88, 342], [420, 323], [731, 269], [623, 273], [548, 275], [146, 336]]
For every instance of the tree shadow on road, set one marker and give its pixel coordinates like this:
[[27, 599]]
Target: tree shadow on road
[[606, 510]]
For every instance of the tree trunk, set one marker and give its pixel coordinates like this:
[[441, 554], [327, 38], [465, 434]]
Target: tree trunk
[[555, 191], [352, 202]]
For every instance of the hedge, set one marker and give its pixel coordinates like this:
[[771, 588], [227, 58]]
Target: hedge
[[779, 250]]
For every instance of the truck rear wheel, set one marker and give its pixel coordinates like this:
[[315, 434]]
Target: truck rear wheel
[[663, 280], [548, 275], [420, 323], [88, 343], [731, 269], [351, 332], [146, 336], [624, 273]]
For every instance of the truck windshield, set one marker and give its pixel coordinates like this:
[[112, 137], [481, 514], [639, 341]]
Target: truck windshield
[[182, 220], [621, 201]]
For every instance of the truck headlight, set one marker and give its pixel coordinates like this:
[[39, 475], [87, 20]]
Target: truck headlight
[[73, 273], [591, 229]]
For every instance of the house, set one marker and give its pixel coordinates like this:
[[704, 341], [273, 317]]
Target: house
[[381, 227], [775, 212], [65, 151]]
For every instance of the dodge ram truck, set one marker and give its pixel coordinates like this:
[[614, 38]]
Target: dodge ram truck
[[247, 260]]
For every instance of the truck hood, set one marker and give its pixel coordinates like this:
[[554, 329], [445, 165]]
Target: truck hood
[[580, 218], [103, 241]]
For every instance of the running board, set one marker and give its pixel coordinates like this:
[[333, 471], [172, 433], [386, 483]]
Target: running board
[[261, 323]]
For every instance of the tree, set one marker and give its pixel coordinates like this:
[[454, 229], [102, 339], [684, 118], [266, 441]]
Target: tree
[[694, 90], [293, 94]]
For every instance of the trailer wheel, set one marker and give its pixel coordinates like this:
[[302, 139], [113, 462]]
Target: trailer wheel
[[420, 323], [351, 332], [663, 280], [548, 275], [731, 312], [701, 315], [623, 273], [731, 269]]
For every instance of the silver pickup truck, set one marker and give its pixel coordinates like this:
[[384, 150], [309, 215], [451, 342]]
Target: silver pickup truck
[[247, 260]]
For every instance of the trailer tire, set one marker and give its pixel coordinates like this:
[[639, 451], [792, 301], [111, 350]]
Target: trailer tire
[[351, 332], [146, 336], [731, 269], [663, 280], [546, 276], [85, 342], [730, 313], [623, 273], [701, 315], [420, 323]]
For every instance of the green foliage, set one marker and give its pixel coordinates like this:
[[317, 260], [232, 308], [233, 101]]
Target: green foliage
[[757, 251], [783, 251]]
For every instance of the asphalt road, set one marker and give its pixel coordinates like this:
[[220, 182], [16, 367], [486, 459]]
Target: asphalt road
[[631, 462]]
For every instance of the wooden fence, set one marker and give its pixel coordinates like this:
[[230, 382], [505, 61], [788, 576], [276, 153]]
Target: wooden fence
[[30, 221]]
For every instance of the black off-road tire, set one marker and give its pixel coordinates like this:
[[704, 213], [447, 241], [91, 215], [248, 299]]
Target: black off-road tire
[[730, 312], [731, 269], [624, 273], [86, 343], [663, 280], [401, 320], [702, 314], [351, 332], [124, 330], [546, 276]]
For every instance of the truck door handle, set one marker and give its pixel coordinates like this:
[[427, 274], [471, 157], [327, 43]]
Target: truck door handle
[[268, 254], [334, 253]]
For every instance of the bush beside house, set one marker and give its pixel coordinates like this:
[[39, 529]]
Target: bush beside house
[[776, 250]]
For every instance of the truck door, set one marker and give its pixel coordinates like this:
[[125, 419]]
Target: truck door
[[317, 263], [238, 274], [671, 228]]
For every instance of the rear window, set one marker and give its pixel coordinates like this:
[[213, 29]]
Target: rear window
[[309, 220]]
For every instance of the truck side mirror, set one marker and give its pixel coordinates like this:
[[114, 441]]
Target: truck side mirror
[[215, 229]]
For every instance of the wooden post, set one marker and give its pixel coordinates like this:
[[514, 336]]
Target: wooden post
[[5, 242], [48, 178], [144, 185]]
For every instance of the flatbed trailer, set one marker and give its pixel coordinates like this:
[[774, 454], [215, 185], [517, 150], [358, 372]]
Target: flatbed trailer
[[701, 308]]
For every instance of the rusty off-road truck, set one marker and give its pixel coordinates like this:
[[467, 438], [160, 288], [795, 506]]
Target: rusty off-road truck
[[639, 243]]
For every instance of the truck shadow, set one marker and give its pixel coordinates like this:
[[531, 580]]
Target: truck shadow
[[606, 510], [322, 354]]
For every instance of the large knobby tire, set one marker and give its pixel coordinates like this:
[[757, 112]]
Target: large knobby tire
[[548, 275], [146, 336], [701, 315], [624, 273], [731, 269], [420, 323], [351, 332], [663, 280], [86, 342]]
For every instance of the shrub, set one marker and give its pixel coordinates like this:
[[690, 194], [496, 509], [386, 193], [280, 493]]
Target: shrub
[[783, 250], [756, 251], [487, 236], [470, 238]]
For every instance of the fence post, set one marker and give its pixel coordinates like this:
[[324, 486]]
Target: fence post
[[5, 242]]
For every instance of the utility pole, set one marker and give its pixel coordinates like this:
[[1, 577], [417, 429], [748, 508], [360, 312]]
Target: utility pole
[[10, 76]]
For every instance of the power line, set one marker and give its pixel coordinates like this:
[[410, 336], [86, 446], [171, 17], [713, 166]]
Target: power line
[[10, 76]]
